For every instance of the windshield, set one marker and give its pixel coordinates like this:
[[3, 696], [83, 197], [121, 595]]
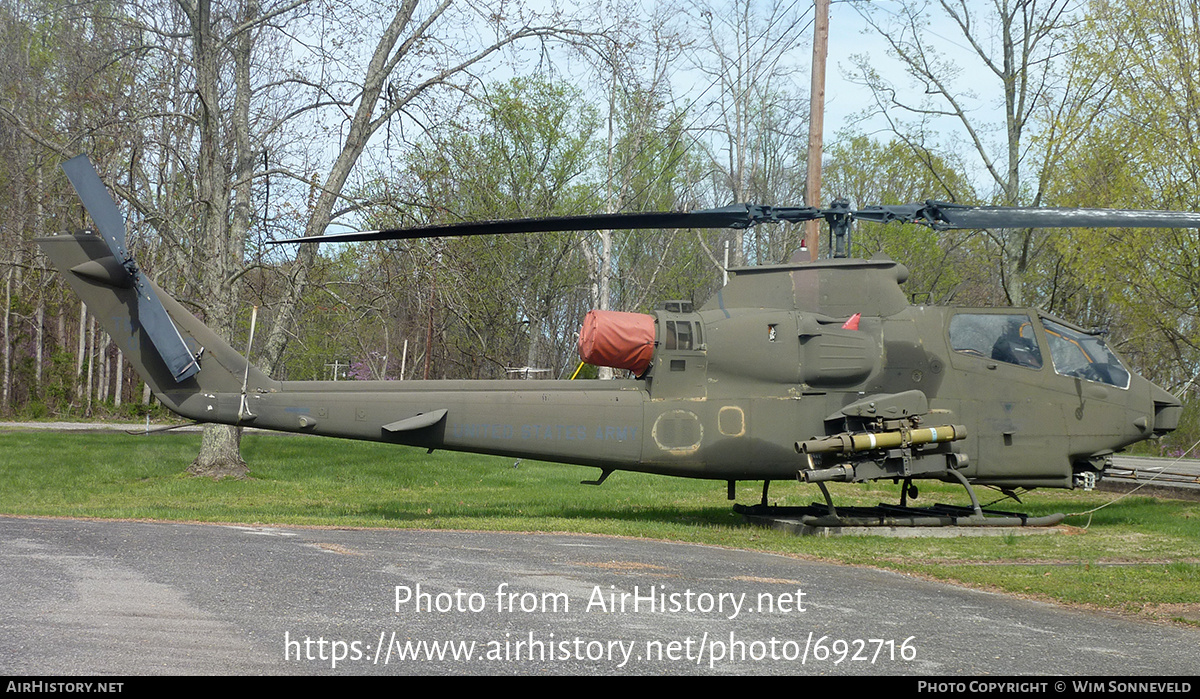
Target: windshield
[[1083, 356]]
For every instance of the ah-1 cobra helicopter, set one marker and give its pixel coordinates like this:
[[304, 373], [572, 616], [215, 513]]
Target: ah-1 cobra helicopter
[[818, 371]]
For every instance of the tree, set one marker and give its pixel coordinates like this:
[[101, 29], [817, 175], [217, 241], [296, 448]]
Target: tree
[[415, 42], [54, 61], [646, 152], [866, 172], [234, 117], [655, 169], [1142, 152], [1015, 44], [754, 116], [527, 149]]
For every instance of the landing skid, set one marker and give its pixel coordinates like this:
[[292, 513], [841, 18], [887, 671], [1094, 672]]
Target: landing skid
[[882, 515], [819, 515]]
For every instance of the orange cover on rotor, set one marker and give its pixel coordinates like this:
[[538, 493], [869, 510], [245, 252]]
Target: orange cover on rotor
[[618, 340]]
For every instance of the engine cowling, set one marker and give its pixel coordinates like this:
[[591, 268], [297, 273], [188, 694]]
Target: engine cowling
[[617, 339]]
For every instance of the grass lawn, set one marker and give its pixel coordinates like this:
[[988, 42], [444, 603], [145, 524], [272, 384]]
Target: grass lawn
[[1138, 556]]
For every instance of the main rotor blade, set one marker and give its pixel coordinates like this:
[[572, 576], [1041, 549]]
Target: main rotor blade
[[956, 217], [739, 216], [938, 215], [148, 310]]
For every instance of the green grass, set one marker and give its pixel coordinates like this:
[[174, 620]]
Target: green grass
[[1138, 556]]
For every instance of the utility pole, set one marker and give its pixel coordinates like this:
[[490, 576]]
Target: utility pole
[[816, 123], [604, 266]]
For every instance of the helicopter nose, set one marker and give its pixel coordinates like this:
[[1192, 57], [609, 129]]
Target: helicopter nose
[[1167, 410]]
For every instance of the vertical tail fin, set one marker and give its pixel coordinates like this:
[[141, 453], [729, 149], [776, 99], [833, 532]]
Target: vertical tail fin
[[176, 354]]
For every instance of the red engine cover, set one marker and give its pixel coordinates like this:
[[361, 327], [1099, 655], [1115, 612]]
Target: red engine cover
[[618, 340]]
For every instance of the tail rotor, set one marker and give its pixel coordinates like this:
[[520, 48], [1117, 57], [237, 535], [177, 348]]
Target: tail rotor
[[149, 311]]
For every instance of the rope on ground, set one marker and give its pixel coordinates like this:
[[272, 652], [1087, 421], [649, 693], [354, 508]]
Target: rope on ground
[[1120, 497]]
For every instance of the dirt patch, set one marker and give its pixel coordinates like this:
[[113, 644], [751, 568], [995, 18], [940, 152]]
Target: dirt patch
[[622, 565], [337, 548], [1186, 613], [768, 581]]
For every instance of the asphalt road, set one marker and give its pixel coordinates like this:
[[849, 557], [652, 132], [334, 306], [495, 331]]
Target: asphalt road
[[1175, 477], [99, 597]]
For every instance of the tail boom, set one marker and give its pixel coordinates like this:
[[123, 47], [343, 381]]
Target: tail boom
[[558, 420]]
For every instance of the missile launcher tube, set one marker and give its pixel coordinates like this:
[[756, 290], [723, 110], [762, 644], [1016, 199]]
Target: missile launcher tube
[[846, 443]]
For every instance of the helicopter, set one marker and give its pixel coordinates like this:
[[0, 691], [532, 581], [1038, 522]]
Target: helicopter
[[817, 371]]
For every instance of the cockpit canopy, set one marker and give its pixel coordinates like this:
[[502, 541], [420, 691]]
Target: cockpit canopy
[[1010, 338], [1003, 337], [1084, 356]]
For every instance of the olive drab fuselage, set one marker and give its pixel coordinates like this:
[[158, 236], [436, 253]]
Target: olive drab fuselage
[[777, 367]]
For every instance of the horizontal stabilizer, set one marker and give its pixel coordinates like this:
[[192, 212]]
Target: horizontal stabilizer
[[106, 271], [416, 422]]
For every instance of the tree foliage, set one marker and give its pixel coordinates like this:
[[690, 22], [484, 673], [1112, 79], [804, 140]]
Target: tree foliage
[[1142, 152], [864, 171]]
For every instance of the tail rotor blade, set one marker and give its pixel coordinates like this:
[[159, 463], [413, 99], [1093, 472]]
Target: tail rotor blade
[[103, 210], [163, 333], [149, 312]]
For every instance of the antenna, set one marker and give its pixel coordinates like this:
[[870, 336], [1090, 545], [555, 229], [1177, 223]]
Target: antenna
[[243, 408]]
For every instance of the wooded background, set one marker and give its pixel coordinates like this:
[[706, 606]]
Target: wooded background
[[222, 124]]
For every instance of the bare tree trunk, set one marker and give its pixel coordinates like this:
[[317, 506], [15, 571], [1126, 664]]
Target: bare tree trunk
[[40, 313], [102, 381], [120, 378], [225, 440], [79, 353], [39, 339], [225, 230], [535, 342], [91, 364], [604, 270], [605, 372], [6, 389], [61, 337]]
